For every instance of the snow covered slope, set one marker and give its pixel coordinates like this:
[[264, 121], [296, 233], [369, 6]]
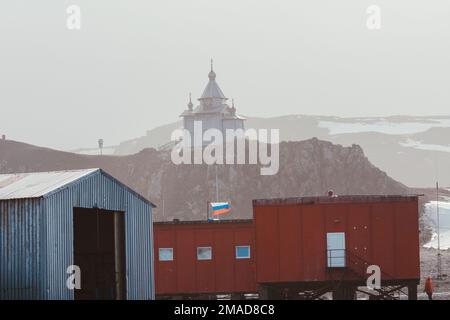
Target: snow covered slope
[[444, 221]]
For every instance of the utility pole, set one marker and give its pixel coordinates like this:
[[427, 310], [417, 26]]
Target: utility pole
[[439, 260], [100, 146]]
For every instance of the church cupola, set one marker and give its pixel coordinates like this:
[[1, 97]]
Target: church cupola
[[233, 109], [190, 104], [212, 96], [212, 74]]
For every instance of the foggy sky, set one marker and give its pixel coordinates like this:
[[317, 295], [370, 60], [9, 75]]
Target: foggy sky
[[132, 64]]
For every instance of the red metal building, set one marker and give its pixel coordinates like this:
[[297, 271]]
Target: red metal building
[[294, 248], [200, 257], [313, 243]]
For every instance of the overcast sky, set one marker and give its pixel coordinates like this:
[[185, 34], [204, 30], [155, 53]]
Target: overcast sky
[[132, 64]]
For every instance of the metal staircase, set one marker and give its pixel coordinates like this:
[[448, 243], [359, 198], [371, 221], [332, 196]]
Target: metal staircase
[[354, 272]]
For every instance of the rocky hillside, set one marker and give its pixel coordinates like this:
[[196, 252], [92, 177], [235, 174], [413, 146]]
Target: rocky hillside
[[410, 149], [308, 167]]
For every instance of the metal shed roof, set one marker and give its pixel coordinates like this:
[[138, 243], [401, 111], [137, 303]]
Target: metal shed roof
[[39, 184]]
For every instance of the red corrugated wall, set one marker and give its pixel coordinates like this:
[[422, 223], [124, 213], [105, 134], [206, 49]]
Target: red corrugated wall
[[291, 238], [223, 274], [288, 244]]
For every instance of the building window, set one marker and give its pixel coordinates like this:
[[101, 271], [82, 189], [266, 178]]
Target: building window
[[204, 253], [242, 252], [165, 254], [336, 249]]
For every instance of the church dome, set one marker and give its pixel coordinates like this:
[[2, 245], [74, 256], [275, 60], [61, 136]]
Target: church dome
[[212, 75]]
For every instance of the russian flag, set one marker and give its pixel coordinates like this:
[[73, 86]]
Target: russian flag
[[220, 208]]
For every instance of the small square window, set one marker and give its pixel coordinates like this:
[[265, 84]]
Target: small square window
[[242, 252], [165, 254], [204, 253]]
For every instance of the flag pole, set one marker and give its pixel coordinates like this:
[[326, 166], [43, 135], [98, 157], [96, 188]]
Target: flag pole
[[217, 187]]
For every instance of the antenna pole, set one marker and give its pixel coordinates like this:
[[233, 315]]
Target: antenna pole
[[100, 146], [439, 262]]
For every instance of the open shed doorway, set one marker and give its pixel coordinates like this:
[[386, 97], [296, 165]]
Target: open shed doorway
[[99, 251]]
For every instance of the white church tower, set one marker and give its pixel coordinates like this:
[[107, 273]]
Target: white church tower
[[213, 110]]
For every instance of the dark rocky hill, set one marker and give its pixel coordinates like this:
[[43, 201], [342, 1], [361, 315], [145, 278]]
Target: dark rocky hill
[[308, 167]]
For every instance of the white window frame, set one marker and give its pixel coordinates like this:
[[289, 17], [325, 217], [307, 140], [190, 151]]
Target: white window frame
[[336, 257], [236, 252], [159, 254], [205, 259]]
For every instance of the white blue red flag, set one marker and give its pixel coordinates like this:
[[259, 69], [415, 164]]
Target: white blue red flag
[[220, 208]]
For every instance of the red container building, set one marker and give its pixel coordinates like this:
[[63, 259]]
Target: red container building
[[201, 258], [294, 248], [311, 243]]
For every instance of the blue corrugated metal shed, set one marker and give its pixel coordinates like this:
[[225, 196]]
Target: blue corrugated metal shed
[[37, 234]]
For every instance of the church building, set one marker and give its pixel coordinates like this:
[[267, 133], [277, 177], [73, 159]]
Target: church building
[[213, 110]]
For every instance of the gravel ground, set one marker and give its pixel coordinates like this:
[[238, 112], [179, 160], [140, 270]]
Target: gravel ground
[[428, 267]]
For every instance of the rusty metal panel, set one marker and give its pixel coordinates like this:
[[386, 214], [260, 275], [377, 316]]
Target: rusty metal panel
[[186, 275], [313, 242], [383, 236], [267, 233], [359, 231], [406, 226], [380, 230], [290, 244]]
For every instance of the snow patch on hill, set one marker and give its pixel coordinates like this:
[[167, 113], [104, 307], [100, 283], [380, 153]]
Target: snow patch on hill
[[444, 221], [382, 126], [423, 146]]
